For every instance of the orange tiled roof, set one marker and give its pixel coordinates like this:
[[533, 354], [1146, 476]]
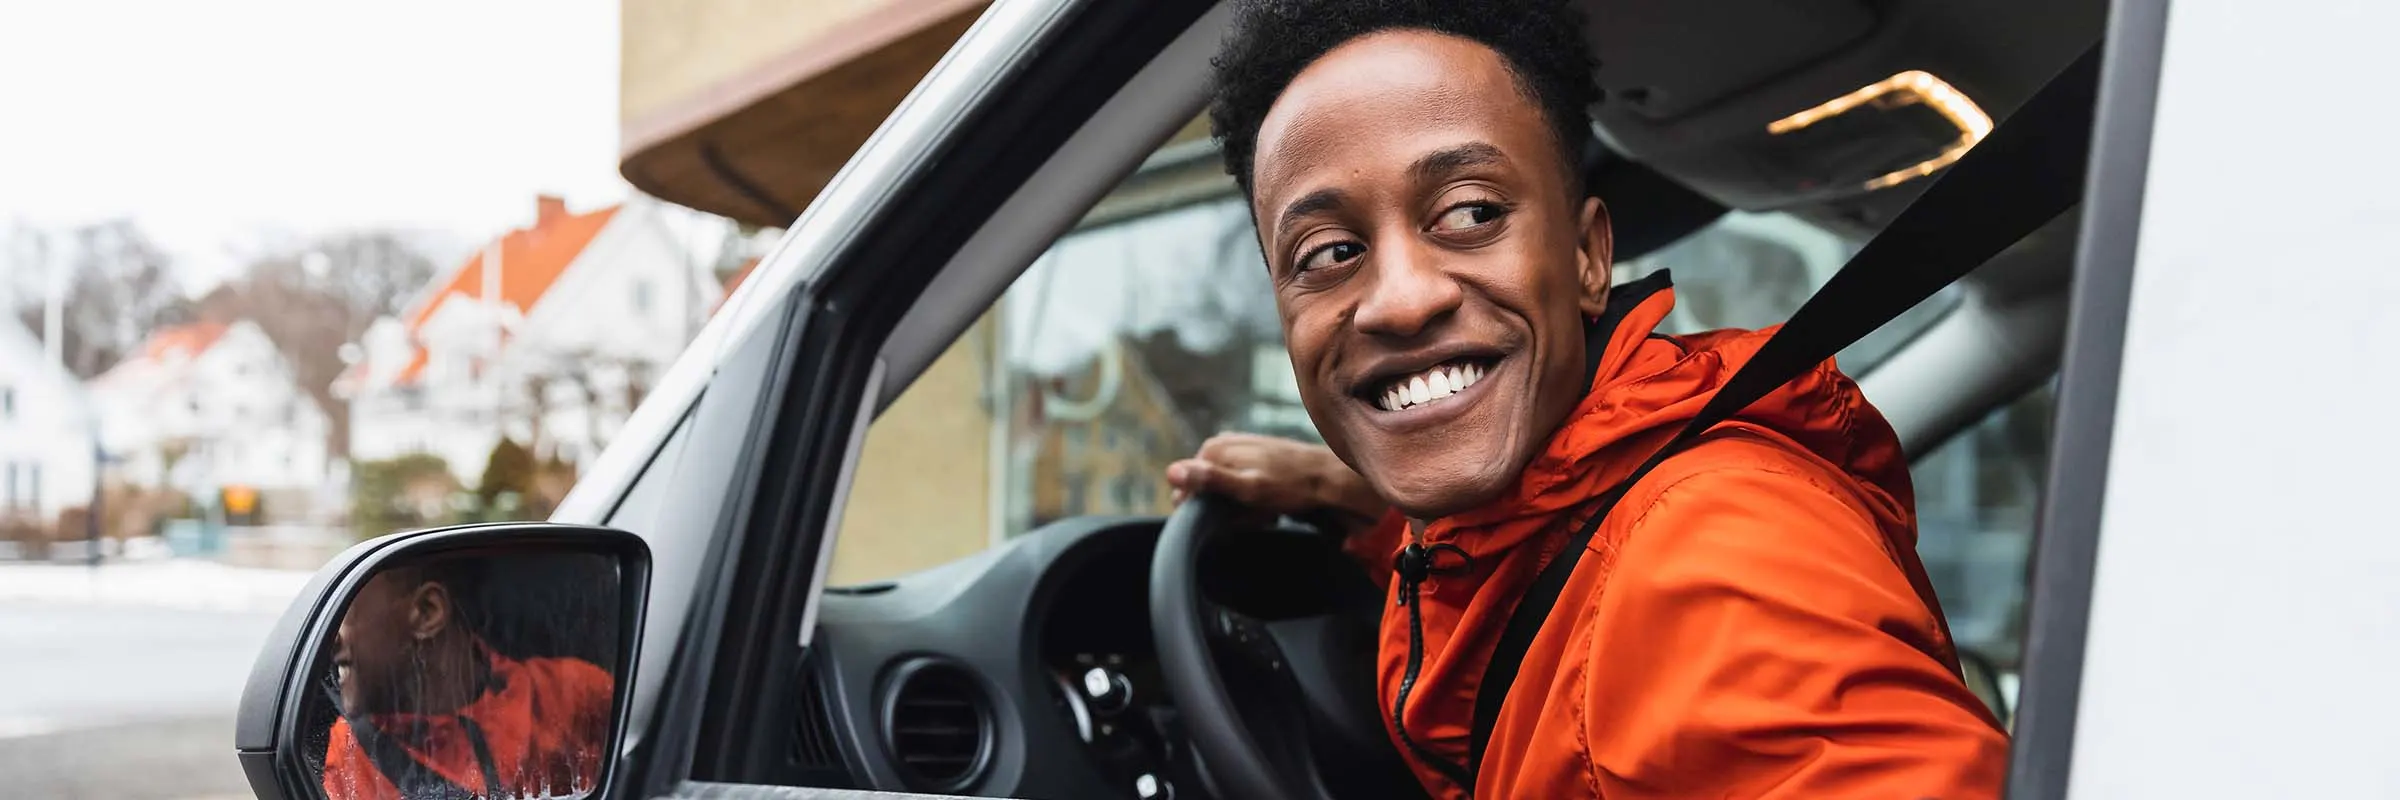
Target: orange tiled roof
[[188, 341], [531, 259]]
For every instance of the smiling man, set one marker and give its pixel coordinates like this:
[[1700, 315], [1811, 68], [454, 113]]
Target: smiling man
[[1749, 619]]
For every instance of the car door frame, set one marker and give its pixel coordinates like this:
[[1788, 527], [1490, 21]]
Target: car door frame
[[2213, 610], [795, 370], [2067, 535], [802, 371]]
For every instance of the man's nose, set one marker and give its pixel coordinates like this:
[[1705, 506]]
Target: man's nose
[[1407, 291]]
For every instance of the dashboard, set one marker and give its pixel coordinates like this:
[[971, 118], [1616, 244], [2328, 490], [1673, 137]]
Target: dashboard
[[1028, 670]]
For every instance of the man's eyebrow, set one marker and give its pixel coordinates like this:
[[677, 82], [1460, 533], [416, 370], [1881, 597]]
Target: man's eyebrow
[[1313, 202], [1442, 163]]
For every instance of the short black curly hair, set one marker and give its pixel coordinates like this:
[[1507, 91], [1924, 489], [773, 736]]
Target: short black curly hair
[[1271, 41]]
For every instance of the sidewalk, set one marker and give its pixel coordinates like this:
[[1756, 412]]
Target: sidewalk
[[176, 583]]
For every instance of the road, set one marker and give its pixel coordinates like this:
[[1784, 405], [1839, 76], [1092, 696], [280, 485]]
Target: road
[[122, 701]]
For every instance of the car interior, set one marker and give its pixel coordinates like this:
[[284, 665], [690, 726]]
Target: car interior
[[1750, 146]]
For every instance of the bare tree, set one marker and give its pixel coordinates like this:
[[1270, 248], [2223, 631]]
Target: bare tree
[[310, 300], [120, 287]]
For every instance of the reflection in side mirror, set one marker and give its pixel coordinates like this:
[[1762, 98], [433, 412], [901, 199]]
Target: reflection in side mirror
[[461, 663]]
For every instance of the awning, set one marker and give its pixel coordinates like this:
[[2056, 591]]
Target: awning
[[746, 111]]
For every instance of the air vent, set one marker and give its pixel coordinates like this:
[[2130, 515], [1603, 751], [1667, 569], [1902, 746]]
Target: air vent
[[937, 723], [814, 744]]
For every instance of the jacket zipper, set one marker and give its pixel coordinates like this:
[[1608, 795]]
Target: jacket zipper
[[1414, 564]]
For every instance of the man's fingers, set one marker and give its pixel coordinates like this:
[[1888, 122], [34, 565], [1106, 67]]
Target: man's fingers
[[1194, 476], [1230, 447], [1188, 475]]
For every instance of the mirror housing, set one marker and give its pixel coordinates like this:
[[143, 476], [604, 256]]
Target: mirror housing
[[294, 679]]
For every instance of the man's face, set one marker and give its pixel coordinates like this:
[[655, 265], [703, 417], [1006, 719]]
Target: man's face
[[1430, 262], [381, 632]]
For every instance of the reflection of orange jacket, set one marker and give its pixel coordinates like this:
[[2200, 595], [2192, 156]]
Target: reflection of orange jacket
[[544, 720], [1750, 621]]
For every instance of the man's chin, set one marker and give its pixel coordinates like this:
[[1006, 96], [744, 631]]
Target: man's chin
[[1435, 493]]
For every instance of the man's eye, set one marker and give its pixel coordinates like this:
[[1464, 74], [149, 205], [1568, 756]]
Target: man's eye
[[1467, 216], [1330, 255]]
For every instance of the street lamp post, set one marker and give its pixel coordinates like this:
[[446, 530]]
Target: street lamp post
[[92, 520]]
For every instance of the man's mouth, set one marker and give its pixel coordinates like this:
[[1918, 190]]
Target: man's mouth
[[1429, 386]]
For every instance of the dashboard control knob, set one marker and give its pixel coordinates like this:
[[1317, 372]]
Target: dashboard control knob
[[1108, 690], [1152, 787]]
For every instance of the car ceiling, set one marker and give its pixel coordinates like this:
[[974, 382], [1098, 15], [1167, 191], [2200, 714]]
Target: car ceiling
[[1703, 121]]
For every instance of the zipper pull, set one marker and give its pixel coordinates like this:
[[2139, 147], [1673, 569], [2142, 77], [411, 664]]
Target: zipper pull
[[1412, 564]]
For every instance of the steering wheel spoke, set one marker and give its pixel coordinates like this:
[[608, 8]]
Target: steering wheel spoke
[[1244, 637]]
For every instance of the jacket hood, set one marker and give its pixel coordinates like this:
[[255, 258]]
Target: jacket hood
[[1645, 386]]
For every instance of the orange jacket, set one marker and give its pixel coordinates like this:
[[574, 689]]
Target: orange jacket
[[1750, 621], [544, 720]]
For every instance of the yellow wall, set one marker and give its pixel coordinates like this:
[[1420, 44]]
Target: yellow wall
[[922, 495], [777, 92], [674, 49]]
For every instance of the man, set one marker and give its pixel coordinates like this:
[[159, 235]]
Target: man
[[430, 710], [1749, 620]]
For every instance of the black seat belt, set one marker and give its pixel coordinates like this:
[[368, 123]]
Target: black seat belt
[[2027, 172]]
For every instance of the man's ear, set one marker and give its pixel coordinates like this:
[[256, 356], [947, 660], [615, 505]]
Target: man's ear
[[1596, 252], [429, 610]]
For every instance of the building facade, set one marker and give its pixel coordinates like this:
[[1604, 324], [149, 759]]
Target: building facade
[[47, 453], [212, 410], [548, 336]]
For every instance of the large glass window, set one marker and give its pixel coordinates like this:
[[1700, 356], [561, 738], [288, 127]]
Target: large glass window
[[1152, 326]]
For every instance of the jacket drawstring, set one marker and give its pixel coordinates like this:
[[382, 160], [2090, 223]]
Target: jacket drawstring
[[1414, 564]]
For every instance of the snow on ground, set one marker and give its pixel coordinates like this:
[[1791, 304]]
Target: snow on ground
[[174, 583]]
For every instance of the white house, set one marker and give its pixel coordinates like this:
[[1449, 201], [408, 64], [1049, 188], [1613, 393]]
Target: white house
[[547, 335], [46, 452], [211, 409]]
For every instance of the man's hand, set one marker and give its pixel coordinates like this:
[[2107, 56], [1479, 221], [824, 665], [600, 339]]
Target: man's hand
[[1276, 475]]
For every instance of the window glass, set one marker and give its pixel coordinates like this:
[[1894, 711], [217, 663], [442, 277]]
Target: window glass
[[1753, 269], [1978, 495], [1148, 328]]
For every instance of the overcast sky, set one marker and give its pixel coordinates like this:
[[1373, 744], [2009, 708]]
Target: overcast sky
[[222, 125]]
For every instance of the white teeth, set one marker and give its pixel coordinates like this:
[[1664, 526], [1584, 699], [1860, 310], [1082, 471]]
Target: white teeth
[[1433, 384]]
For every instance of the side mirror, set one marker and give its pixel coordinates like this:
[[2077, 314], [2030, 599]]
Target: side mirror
[[477, 661]]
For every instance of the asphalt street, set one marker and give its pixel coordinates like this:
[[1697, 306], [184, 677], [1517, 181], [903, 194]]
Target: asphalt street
[[123, 702]]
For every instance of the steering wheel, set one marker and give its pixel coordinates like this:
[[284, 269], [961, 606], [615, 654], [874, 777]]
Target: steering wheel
[[1306, 705]]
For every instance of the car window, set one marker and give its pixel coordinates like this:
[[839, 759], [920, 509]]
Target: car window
[[1978, 495], [1753, 269], [1151, 326]]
